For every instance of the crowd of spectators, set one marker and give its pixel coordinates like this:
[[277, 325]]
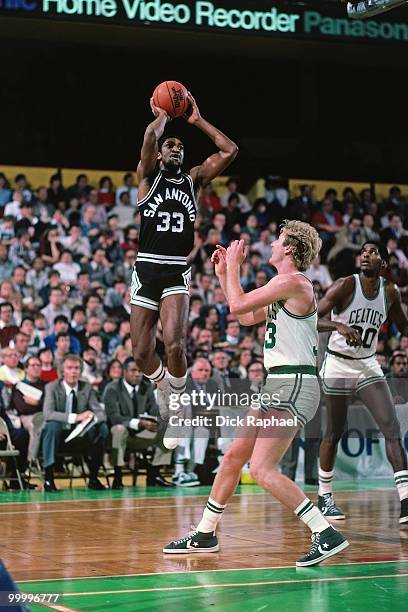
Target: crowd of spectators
[[66, 257]]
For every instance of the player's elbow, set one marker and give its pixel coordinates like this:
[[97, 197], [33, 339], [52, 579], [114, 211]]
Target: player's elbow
[[233, 150]]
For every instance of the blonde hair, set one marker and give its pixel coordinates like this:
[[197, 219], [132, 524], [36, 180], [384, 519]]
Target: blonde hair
[[304, 240]]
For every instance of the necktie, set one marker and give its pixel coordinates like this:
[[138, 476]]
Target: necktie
[[134, 400], [74, 403]]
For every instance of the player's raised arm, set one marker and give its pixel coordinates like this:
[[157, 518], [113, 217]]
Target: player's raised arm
[[150, 148], [219, 259], [335, 297], [215, 164]]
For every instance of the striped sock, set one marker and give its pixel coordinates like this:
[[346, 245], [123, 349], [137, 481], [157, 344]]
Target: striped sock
[[311, 516], [177, 385], [401, 481], [325, 481], [178, 466], [211, 516], [159, 376]]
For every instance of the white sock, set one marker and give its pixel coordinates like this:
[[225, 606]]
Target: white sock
[[159, 377], [401, 481], [325, 482], [311, 516], [177, 384], [211, 516], [178, 467]]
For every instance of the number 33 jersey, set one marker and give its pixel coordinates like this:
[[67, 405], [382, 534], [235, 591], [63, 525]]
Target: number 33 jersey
[[366, 315], [168, 213]]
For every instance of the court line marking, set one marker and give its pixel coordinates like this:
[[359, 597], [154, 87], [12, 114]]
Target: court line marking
[[238, 569], [74, 501], [233, 584]]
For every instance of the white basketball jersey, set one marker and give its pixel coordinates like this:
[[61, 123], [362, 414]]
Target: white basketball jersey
[[290, 340], [366, 315]]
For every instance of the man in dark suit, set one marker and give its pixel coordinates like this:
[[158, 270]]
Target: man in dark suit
[[129, 402], [68, 402]]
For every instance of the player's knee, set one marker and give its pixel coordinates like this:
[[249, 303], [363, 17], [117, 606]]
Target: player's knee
[[392, 431], [142, 352], [232, 460], [258, 473], [174, 350]]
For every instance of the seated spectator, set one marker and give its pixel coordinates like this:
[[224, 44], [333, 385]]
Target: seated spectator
[[73, 212], [318, 272], [95, 341], [50, 247], [12, 208], [397, 275], [10, 373], [89, 224], [209, 200], [48, 372], [94, 306], [5, 191], [92, 370], [124, 210], [371, 235], [77, 244], [43, 209], [117, 340], [394, 230], [36, 342], [54, 280], [99, 268], [392, 248], [243, 357], [61, 324], [67, 268], [55, 307], [127, 401], [21, 252], [23, 186], [113, 372], [7, 327], [106, 194], [397, 377], [108, 242], [7, 233], [328, 222], [115, 296], [109, 330], [232, 188], [37, 277], [6, 266], [67, 402], [62, 342], [251, 228], [21, 342], [129, 188], [100, 216], [20, 440], [221, 372], [25, 406], [194, 439], [56, 192], [130, 238], [29, 223], [80, 189], [30, 299], [349, 238]]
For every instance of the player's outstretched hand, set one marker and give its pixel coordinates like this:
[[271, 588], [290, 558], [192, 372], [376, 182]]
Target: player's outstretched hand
[[193, 114], [156, 110], [351, 335], [218, 258], [237, 252]]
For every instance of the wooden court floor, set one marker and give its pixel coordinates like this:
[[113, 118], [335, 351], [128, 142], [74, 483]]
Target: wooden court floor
[[103, 550]]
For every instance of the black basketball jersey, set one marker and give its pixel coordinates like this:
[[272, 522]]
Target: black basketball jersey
[[168, 213]]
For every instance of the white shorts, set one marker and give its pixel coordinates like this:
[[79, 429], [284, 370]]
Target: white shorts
[[345, 376]]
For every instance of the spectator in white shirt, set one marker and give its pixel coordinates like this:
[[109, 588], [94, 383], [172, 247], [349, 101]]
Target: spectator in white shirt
[[128, 187], [13, 207], [318, 272], [67, 268], [232, 186]]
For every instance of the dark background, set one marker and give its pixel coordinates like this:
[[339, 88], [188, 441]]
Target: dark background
[[77, 96]]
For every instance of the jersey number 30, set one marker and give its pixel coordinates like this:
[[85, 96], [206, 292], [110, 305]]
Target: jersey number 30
[[174, 220]]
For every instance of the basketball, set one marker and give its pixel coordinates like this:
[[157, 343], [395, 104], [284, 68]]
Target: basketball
[[171, 96]]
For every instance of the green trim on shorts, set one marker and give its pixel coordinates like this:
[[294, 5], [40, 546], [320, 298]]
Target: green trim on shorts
[[287, 369]]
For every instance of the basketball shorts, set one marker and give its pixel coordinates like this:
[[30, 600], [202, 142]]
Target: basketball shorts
[[345, 376], [151, 283], [298, 394]]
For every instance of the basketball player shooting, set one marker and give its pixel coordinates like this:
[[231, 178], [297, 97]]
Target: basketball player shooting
[[161, 275], [288, 304], [364, 301]]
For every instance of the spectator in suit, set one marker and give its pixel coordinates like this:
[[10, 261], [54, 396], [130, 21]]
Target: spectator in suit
[[194, 439], [7, 327], [127, 401], [25, 406], [67, 402]]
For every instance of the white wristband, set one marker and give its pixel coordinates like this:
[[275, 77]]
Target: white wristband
[[134, 424]]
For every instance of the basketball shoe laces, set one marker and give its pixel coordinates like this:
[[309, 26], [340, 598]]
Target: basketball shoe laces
[[315, 543], [193, 532], [329, 501]]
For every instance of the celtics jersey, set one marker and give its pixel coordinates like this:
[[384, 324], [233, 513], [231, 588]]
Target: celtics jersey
[[290, 340], [366, 315], [168, 213]]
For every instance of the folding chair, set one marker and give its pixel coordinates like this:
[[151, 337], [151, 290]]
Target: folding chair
[[10, 452]]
